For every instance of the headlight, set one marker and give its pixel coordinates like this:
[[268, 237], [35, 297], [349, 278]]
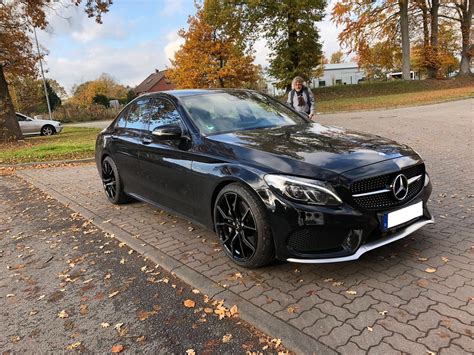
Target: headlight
[[304, 190]]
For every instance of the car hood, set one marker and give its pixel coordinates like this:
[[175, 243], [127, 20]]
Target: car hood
[[47, 121], [306, 149]]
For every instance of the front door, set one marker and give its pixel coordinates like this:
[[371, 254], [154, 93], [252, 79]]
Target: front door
[[166, 164]]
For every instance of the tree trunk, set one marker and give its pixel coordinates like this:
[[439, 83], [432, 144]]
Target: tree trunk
[[467, 48], [405, 39], [433, 69], [9, 127], [292, 26]]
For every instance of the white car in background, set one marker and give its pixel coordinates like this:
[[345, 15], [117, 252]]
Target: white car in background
[[30, 126]]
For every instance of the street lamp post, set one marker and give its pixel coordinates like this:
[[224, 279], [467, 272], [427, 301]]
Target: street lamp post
[[42, 74]]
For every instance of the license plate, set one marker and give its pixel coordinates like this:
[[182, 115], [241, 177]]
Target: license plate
[[403, 215]]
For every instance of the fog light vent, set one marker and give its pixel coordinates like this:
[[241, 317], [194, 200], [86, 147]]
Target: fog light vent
[[353, 240]]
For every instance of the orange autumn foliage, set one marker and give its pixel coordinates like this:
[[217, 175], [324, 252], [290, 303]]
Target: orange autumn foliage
[[210, 59]]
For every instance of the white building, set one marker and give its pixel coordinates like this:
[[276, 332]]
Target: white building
[[334, 74], [339, 74]]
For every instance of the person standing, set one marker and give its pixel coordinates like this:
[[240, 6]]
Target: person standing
[[301, 98]]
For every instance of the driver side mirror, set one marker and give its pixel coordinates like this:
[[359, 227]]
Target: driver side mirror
[[170, 131]]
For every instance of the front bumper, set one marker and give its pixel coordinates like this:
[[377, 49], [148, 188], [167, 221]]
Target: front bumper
[[318, 234], [58, 129]]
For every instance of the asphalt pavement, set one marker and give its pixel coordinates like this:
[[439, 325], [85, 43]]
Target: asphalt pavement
[[67, 285]]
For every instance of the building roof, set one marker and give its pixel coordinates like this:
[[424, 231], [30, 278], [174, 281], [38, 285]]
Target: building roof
[[150, 81], [339, 66]]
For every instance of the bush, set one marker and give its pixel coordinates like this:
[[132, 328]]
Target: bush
[[69, 112]]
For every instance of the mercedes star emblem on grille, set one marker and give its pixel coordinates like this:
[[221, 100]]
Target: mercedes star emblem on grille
[[400, 187]]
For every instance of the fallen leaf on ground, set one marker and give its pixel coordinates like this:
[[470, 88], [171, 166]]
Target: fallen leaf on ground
[[105, 325], [113, 294], [117, 349], [107, 276], [291, 309], [226, 338], [423, 282], [383, 313], [208, 310], [422, 259], [196, 292], [41, 297], [121, 245], [370, 329], [141, 339], [338, 283], [189, 303], [83, 309], [10, 295], [122, 261], [328, 280], [351, 292], [73, 345], [87, 281], [233, 310], [430, 270], [445, 259], [190, 352], [143, 315], [277, 342], [63, 314]]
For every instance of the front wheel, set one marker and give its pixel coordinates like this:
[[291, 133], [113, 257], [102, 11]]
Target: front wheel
[[241, 224], [112, 182], [48, 130]]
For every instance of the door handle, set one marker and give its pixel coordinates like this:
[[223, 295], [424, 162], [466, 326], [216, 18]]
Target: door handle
[[114, 137], [146, 140]]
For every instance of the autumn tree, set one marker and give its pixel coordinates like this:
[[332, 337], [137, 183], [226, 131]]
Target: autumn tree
[[28, 94], [462, 11], [210, 58], [105, 85], [366, 23], [17, 55], [288, 26], [337, 57]]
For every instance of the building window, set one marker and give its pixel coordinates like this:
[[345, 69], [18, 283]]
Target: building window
[[321, 83], [338, 81]]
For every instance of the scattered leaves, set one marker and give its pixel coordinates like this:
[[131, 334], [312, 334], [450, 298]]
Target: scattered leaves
[[445, 259], [351, 292], [196, 292], [226, 338], [105, 325], [73, 345], [370, 329], [63, 314], [430, 270], [117, 349], [189, 303]]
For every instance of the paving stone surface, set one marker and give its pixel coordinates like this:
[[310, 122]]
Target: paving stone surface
[[398, 307]]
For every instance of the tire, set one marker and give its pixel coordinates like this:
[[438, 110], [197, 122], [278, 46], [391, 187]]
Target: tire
[[48, 130], [112, 182], [242, 226]]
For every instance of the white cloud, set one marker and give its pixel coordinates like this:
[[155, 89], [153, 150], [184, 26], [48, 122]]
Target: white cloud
[[172, 7], [174, 43], [128, 65]]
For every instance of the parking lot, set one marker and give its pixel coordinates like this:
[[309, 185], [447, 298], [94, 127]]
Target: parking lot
[[414, 296]]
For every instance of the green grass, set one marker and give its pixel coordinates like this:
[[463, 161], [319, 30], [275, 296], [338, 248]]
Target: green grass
[[72, 143], [390, 94]]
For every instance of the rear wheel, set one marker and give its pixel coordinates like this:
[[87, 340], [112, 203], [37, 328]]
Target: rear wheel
[[47, 130], [112, 183], [242, 227]]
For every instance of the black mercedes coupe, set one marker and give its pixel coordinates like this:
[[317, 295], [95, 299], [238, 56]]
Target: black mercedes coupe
[[270, 183]]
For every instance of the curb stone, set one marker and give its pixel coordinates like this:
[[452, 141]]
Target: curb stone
[[292, 338]]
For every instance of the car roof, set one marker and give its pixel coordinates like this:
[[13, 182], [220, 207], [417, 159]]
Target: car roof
[[194, 92]]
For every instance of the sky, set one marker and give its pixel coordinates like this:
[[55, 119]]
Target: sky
[[135, 38]]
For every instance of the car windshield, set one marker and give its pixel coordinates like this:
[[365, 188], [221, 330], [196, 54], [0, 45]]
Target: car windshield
[[221, 112]]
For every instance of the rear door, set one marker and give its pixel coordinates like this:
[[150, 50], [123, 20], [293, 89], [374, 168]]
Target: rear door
[[26, 124], [166, 164]]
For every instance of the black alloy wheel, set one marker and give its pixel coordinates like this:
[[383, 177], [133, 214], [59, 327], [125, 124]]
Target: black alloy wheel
[[112, 183], [241, 225]]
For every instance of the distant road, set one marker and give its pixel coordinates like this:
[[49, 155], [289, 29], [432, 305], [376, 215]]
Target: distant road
[[93, 124]]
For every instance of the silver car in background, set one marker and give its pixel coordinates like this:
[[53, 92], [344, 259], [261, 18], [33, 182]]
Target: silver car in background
[[30, 126]]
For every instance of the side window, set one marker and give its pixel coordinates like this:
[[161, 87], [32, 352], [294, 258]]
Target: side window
[[138, 114], [20, 118], [161, 113], [122, 118]]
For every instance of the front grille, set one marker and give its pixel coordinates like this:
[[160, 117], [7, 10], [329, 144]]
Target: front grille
[[386, 200], [317, 240]]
